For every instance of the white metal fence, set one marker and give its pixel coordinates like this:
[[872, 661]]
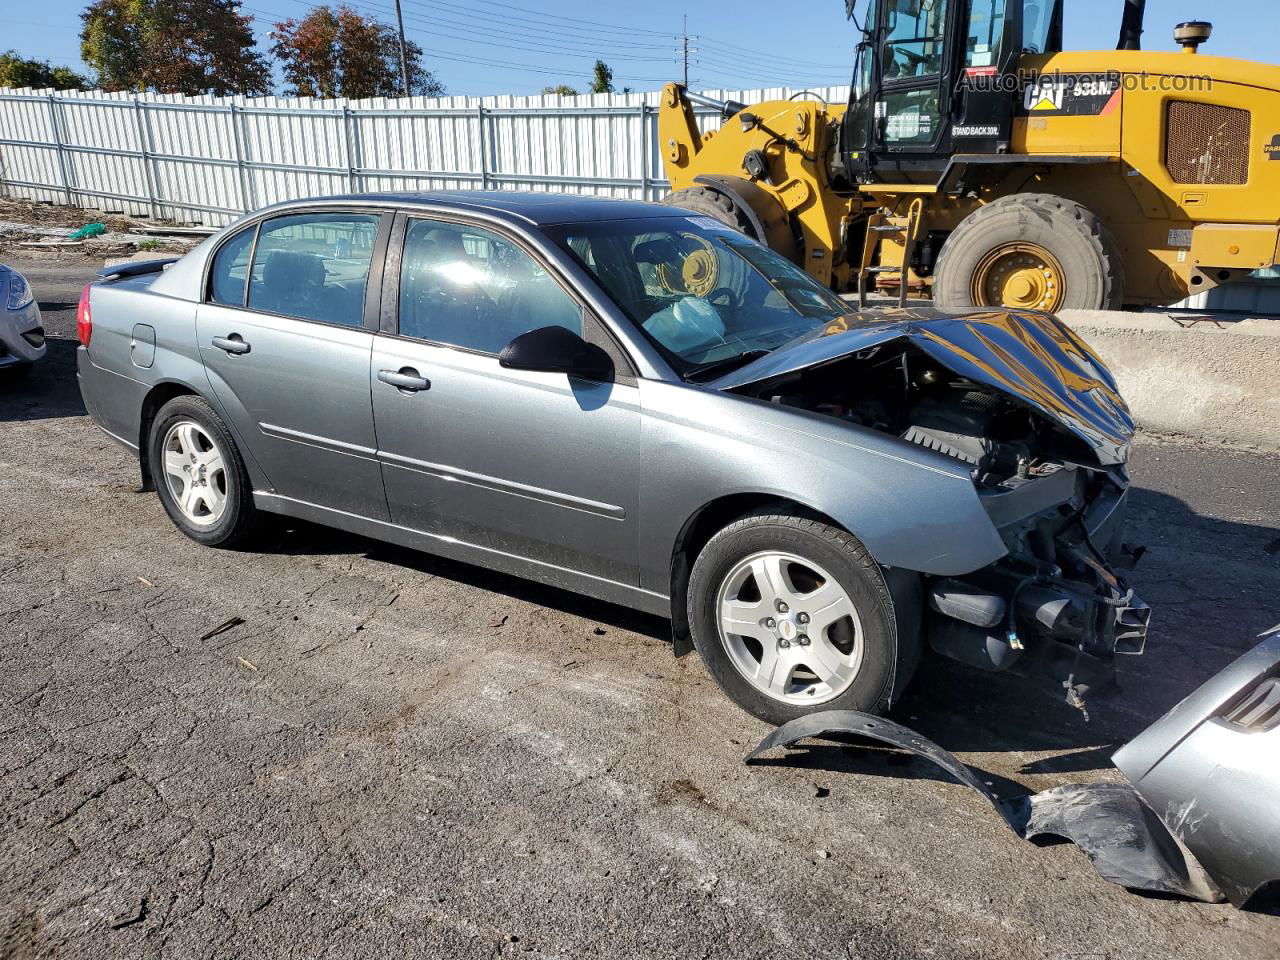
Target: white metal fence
[[208, 159]]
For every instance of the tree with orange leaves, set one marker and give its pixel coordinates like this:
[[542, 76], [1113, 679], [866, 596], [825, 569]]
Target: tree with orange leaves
[[340, 53]]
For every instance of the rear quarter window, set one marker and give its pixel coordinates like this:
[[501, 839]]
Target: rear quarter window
[[231, 269]]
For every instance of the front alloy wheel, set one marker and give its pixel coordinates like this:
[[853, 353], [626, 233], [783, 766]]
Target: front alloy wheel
[[792, 615], [789, 628]]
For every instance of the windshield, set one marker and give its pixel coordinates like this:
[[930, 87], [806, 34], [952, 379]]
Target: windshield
[[705, 293]]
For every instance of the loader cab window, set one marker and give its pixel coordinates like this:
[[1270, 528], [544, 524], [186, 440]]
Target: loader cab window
[[908, 114], [914, 32], [1042, 26], [985, 37]]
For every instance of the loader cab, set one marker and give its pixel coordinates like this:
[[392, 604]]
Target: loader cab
[[938, 77]]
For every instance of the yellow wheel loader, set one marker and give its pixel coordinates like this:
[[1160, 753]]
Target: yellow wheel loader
[[998, 169]]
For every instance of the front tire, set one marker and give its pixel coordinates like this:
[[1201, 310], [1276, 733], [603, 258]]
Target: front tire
[[199, 474], [792, 616], [1030, 251]]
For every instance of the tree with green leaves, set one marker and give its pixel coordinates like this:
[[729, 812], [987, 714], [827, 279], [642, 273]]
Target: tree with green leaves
[[190, 47], [562, 90], [16, 71], [337, 52], [602, 78]]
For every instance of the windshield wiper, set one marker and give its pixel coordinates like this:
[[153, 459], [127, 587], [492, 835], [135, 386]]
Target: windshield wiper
[[725, 364]]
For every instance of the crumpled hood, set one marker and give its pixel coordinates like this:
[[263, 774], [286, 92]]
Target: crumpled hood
[[1033, 358]]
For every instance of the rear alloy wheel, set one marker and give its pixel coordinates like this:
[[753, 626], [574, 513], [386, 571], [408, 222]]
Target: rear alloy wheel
[[196, 472], [199, 474], [792, 615]]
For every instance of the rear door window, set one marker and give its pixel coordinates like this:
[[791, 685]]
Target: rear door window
[[314, 266]]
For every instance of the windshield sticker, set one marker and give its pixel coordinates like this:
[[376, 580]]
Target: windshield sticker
[[707, 223]]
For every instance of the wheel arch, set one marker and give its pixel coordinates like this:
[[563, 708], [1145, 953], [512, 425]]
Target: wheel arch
[[763, 210], [703, 524], [159, 394]]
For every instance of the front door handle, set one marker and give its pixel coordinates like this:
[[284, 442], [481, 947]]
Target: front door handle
[[233, 344], [406, 379]]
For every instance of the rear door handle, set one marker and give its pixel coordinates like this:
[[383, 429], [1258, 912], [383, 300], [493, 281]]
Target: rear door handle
[[406, 379], [233, 344]]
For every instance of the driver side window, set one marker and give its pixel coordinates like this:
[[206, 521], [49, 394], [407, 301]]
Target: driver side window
[[467, 287], [914, 35]]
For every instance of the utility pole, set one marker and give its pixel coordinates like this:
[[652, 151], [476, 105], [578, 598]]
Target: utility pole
[[404, 59], [684, 43]]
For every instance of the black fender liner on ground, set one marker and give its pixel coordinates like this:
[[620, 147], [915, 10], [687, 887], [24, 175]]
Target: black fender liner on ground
[[1123, 838]]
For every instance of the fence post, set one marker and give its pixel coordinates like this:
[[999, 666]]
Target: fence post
[[348, 148], [484, 149], [146, 149], [57, 140], [240, 167], [644, 151]]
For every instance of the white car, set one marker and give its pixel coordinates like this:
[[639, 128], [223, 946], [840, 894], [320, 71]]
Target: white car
[[21, 335]]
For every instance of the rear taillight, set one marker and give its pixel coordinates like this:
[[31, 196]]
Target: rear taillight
[[84, 319]]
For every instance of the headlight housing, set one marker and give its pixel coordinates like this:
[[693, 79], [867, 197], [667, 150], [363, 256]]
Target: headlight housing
[[20, 294]]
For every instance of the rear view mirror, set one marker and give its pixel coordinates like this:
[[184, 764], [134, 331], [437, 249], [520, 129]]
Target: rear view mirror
[[557, 350]]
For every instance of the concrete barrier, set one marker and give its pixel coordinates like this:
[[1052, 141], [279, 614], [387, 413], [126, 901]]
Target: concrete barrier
[[1212, 379]]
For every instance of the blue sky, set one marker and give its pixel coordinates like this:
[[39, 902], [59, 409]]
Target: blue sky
[[519, 46]]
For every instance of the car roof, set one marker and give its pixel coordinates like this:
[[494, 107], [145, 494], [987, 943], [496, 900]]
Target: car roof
[[537, 208]]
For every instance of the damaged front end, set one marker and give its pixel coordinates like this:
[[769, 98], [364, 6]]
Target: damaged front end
[[1037, 419]]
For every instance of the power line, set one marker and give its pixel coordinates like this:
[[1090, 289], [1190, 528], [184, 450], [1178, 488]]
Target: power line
[[617, 34], [549, 46], [757, 55], [575, 20], [826, 76], [528, 46], [494, 64]]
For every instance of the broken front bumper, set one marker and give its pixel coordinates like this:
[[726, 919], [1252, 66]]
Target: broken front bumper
[[1061, 594]]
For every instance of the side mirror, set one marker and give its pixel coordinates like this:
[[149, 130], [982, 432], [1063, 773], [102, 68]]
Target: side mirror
[[557, 350]]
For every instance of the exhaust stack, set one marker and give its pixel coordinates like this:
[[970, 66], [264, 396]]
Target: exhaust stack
[[1135, 12]]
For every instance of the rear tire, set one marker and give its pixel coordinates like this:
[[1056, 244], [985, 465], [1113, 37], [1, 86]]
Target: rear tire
[[199, 474], [711, 203], [1018, 233], [832, 644]]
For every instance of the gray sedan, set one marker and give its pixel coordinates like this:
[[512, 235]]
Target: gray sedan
[[21, 335], [640, 404]]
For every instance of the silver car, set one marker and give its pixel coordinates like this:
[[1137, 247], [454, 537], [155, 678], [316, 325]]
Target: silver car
[[643, 405], [21, 333]]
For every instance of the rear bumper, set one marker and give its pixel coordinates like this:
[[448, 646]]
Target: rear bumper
[[114, 402]]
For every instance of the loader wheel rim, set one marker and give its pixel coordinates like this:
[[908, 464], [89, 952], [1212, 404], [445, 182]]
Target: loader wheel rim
[[1020, 275]]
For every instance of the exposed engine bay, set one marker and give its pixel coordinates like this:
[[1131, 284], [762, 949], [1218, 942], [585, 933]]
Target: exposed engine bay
[[1060, 597]]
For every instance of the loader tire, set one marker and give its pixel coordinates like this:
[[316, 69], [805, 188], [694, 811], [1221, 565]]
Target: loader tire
[[711, 203], [1030, 251]]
